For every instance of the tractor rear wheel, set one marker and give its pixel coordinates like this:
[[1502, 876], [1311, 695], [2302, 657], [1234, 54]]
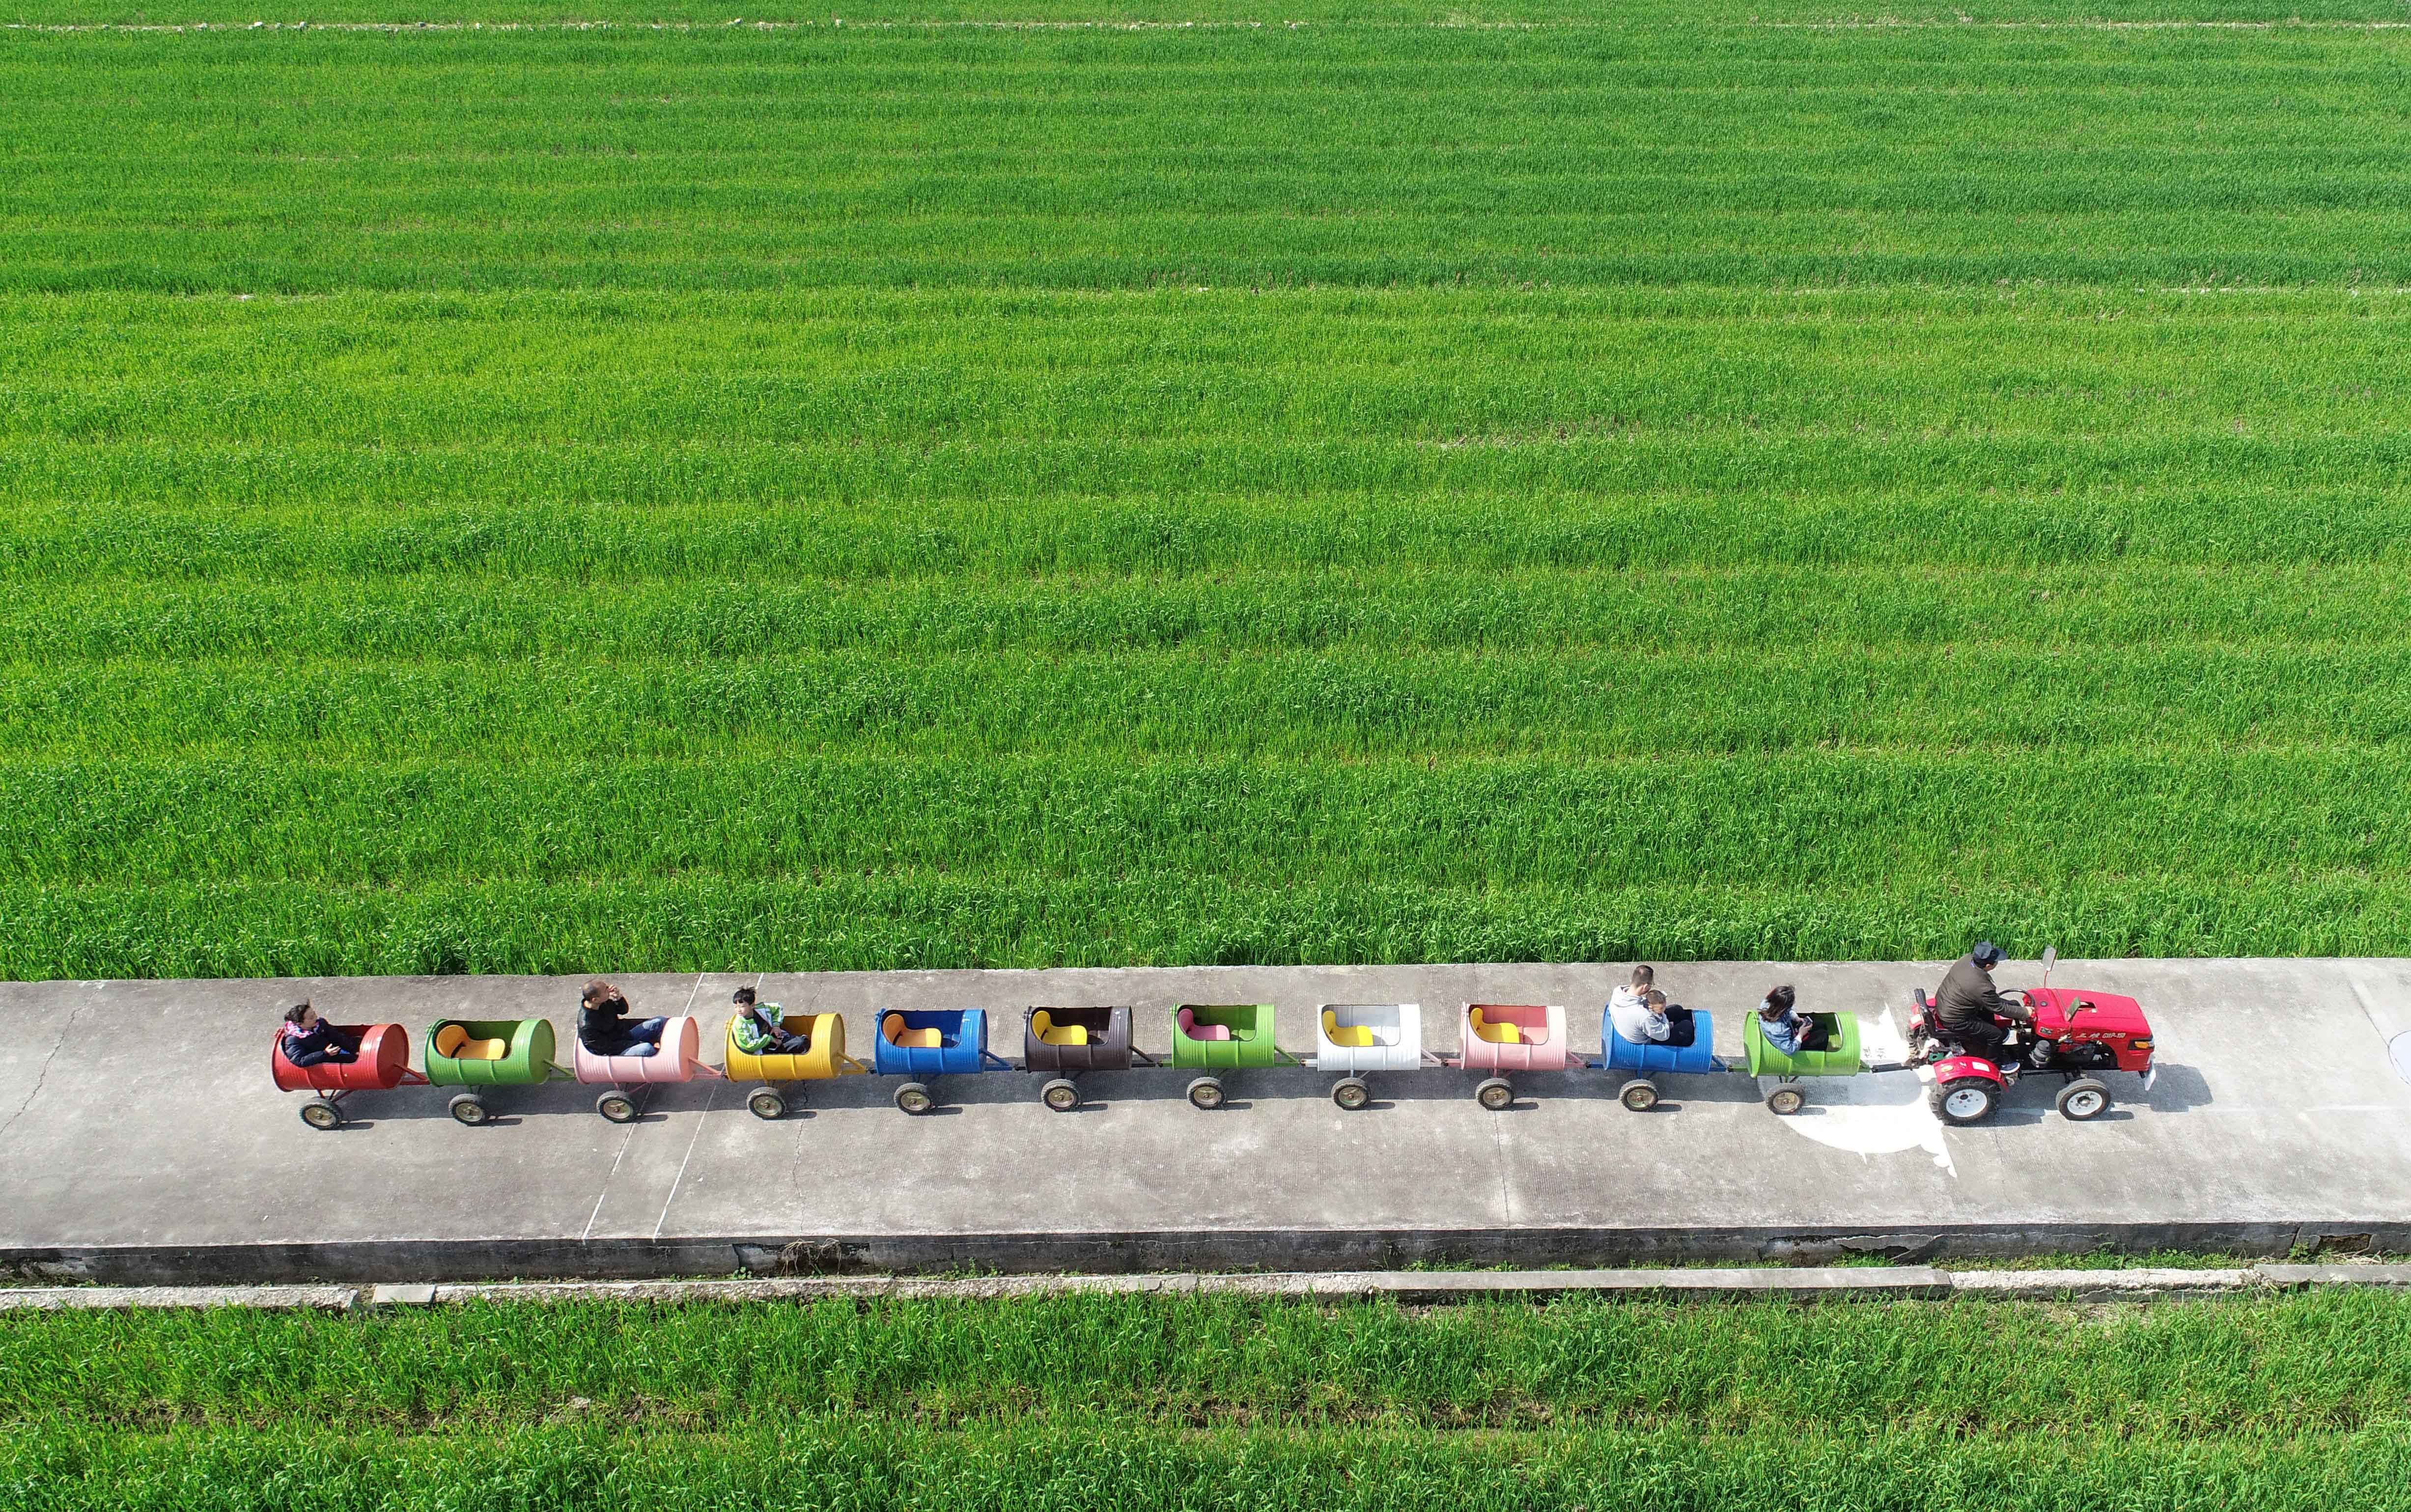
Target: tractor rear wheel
[[1060, 1095], [914, 1098], [767, 1105], [1640, 1095], [2083, 1100], [1352, 1093], [1968, 1099], [1786, 1100], [1496, 1094], [1206, 1094]]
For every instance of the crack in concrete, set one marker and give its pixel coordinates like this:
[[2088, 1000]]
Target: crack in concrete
[[43, 1073]]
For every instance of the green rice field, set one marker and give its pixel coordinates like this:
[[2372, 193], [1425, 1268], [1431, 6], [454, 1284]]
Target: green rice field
[[1535, 481], [2250, 1402]]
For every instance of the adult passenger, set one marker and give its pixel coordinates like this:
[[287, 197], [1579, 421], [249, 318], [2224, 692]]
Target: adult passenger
[[1968, 1008], [1627, 1009], [604, 1028]]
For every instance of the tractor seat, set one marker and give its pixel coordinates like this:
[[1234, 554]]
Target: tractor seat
[[1052, 1033], [898, 1035], [1497, 1034], [452, 1043], [1348, 1036]]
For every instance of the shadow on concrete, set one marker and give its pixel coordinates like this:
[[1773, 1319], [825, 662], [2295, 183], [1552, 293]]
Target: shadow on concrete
[[2174, 1090]]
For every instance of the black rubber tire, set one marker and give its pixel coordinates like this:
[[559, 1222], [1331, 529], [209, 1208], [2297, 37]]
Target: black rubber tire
[[617, 1106], [1969, 1099], [1786, 1100], [1206, 1094], [1350, 1091], [321, 1115], [1496, 1093], [2083, 1100], [914, 1098], [1640, 1095], [1061, 1095], [766, 1104], [469, 1109]]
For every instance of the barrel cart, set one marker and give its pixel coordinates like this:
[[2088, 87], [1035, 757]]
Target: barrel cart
[[1506, 1038], [923, 1045], [1357, 1039], [1063, 1042], [822, 1059], [1213, 1038], [481, 1054], [1648, 1060], [672, 1060], [1839, 1058], [382, 1064]]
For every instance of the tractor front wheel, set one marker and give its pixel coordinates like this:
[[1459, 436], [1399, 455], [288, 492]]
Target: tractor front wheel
[[1968, 1099], [2083, 1099]]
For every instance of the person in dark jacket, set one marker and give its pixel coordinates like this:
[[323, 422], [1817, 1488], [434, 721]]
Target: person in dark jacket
[[604, 1028], [310, 1040], [1968, 1008]]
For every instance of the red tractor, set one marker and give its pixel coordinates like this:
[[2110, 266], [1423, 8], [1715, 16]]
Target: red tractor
[[2076, 1035]]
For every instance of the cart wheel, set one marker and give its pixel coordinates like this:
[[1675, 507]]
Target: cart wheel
[[1970, 1100], [617, 1106], [468, 1108], [767, 1105], [1059, 1095], [2084, 1099], [1205, 1093], [1496, 1093], [1640, 1095], [321, 1115], [1351, 1093], [1786, 1100], [914, 1098]]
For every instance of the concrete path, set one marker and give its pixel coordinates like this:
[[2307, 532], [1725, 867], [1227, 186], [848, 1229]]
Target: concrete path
[[142, 1142]]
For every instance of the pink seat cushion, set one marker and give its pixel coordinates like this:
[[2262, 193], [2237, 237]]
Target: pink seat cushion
[[1194, 1030]]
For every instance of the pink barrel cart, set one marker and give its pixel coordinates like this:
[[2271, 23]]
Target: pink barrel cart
[[673, 1061], [1505, 1038]]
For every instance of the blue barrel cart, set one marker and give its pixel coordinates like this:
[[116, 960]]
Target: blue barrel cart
[[1648, 1060], [923, 1045]]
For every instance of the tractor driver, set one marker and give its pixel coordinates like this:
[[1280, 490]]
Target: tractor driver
[[1969, 1007]]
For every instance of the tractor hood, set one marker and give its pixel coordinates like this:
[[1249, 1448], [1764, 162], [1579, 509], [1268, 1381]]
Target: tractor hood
[[2068, 1012]]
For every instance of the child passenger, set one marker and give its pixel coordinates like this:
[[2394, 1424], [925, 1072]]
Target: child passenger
[[1787, 1029], [310, 1040], [759, 1027]]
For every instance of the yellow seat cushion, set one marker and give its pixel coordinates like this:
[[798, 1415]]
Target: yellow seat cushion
[[910, 1039], [1353, 1035], [453, 1043], [1052, 1033], [1497, 1034]]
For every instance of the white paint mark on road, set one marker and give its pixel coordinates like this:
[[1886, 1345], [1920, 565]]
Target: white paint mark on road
[[1871, 1115], [2399, 1050]]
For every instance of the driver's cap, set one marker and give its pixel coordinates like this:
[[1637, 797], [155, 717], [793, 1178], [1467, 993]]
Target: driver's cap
[[1985, 954]]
